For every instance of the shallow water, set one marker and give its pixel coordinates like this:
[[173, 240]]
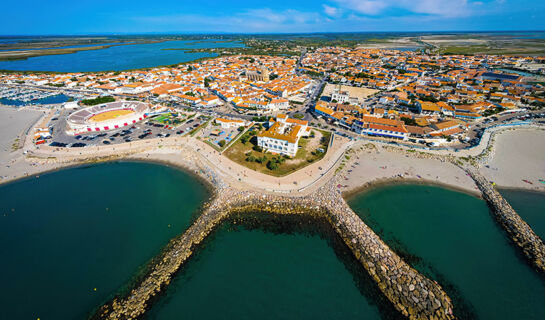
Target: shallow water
[[451, 237], [69, 232]]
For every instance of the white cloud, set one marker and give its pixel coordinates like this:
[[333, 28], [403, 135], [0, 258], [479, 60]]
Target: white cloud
[[332, 11], [443, 8]]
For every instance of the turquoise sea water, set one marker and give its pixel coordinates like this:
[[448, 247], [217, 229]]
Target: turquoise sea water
[[71, 231], [117, 58], [68, 232], [253, 274], [451, 237], [530, 206]]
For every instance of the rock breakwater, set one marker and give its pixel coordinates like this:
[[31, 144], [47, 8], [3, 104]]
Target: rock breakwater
[[412, 294], [176, 254], [517, 229]]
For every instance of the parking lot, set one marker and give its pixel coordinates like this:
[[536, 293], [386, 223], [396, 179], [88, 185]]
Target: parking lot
[[139, 131], [190, 125]]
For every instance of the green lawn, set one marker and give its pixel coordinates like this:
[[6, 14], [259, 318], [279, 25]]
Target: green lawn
[[243, 152]]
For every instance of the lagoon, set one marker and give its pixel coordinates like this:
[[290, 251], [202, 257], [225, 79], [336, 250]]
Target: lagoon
[[66, 233], [121, 57]]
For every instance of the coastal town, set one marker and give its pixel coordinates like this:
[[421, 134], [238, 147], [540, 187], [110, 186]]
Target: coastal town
[[399, 95], [294, 135]]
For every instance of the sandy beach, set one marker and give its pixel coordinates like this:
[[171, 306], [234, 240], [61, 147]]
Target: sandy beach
[[14, 124], [517, 155], [371, 166]]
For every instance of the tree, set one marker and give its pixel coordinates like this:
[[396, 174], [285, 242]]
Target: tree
[[244, 139], [190, 68], [272, 165], [221, 143], [240, 129], [409, 121], [98, 100]]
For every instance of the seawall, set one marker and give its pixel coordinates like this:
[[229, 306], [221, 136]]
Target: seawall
[[517, 229], [410, 293]]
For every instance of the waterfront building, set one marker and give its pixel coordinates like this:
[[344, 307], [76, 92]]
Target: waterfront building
[[283, 134], [446, 128], [381, 127]]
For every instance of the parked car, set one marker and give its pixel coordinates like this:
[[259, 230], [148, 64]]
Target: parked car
[[78, 145]]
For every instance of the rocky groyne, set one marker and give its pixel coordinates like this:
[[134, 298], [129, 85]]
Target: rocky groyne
[[176, 254], [412, 294], [518, 230]]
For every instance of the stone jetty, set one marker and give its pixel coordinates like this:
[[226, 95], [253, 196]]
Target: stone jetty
[[176, 254], [518, 230], [412, 294]]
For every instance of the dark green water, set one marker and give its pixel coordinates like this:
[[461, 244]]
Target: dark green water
[[252, 274], [451, 237], [530, 206], [71, 231]]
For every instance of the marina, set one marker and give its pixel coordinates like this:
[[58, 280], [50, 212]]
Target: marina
[[13, 96]]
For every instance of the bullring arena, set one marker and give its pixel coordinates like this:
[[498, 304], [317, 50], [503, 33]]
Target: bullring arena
[[106, 117]]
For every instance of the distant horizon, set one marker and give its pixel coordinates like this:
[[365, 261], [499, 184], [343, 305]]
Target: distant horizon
[[174, 33]]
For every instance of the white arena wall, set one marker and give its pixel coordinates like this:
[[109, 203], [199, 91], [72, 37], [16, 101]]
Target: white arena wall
[[79, 121]]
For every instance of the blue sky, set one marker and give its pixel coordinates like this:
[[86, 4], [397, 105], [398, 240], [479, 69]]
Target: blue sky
[[209, 16]]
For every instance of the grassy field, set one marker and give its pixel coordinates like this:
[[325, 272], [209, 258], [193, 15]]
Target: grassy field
[[245, 153], [472, 50]]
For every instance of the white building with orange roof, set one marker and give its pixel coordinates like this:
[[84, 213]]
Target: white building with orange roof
[[380, 127], [209, 101], [230, 123], [283, 134]]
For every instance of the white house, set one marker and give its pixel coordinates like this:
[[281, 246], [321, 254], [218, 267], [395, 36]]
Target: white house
[[340, 96], [283, 135], [230, 123]]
